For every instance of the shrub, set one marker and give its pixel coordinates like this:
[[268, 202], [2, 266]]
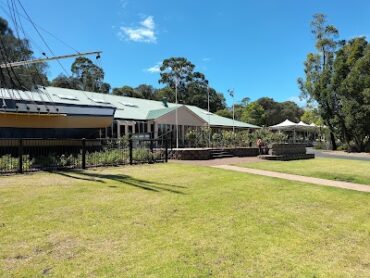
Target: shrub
[[10, 164], [106, 157]]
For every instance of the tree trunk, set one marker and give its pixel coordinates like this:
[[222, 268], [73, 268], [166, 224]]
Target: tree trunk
[[359, 144], [332, 140]]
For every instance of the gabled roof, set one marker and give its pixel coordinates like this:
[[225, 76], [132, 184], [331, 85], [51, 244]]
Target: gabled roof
[[128, 107], [216, 120], [154, 114]]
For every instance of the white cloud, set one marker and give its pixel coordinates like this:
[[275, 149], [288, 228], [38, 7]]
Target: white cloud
[[300, 102], [148, 23], [144, 33], [155, 68]]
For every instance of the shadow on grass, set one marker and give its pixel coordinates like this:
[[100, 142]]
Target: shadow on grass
[[123, 179]]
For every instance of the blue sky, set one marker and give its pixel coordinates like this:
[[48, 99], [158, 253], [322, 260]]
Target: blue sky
[[256, 47]]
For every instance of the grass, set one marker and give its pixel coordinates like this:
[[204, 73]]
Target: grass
[[173, 220], [327, 168]]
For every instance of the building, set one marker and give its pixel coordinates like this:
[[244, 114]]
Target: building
[[140, 116]]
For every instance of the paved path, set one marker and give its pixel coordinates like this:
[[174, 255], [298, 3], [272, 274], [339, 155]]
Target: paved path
[[291, 177], [340, 154]]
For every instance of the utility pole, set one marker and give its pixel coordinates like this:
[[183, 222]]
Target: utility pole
[[209, 119], [176, 116], [231, 92]]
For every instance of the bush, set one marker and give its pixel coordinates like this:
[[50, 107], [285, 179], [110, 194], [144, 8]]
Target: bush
[[107, 157], [10, 164]]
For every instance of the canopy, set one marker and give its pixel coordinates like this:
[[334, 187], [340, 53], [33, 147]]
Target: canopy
[[286, 125], [289, 125]]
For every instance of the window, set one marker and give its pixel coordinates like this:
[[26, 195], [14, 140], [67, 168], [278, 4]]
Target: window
[[128, 104], [99, 100], [69, 97]]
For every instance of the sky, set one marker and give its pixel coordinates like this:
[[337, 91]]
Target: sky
[[255, 47]]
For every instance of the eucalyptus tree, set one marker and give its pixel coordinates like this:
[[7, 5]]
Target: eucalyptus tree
[[352, 84], [90, 75], [318, 67]]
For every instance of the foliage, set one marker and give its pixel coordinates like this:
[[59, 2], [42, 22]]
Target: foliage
[[311, 115], [85, 76], [126, 91], [15, 49], [337, 77], [107, 157], [254, 113], [268, 136], [192, 86], [225, 113], [198, 137], [264, 111], [145, 155], [9, 163], [68, 82], [227, 138]]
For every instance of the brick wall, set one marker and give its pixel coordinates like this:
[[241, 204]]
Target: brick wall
[[287, 149]]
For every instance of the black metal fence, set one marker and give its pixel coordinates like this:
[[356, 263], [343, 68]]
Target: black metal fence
[[29, 155]]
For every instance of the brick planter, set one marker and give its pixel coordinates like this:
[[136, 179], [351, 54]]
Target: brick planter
[[287, 152], [244, 152], [190, 154]]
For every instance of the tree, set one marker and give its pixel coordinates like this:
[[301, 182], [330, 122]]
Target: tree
[[90, 75], [104, 88], [63, 81], [165, 93], [338, 79], [198, 95], [192, 86], [179, 71], [225, 113], [126, 91], [290, 110], [13, 49], [146, 91], [317, 84], [352, 85], [311, 115], [255, 114]]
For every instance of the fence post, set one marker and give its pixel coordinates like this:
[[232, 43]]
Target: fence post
[[166, 151], [20, 156], [83, 153], [130, 150]]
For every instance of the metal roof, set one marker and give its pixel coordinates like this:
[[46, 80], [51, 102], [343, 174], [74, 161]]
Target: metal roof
[[126, 107]]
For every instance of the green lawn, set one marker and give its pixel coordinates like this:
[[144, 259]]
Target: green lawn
[[172, 220], [327, 168]]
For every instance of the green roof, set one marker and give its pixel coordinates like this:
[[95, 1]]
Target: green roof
[[129, 108], [155, 114], [216, 120]]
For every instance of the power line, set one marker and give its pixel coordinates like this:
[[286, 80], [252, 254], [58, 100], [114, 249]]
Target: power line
[[41, 37]]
